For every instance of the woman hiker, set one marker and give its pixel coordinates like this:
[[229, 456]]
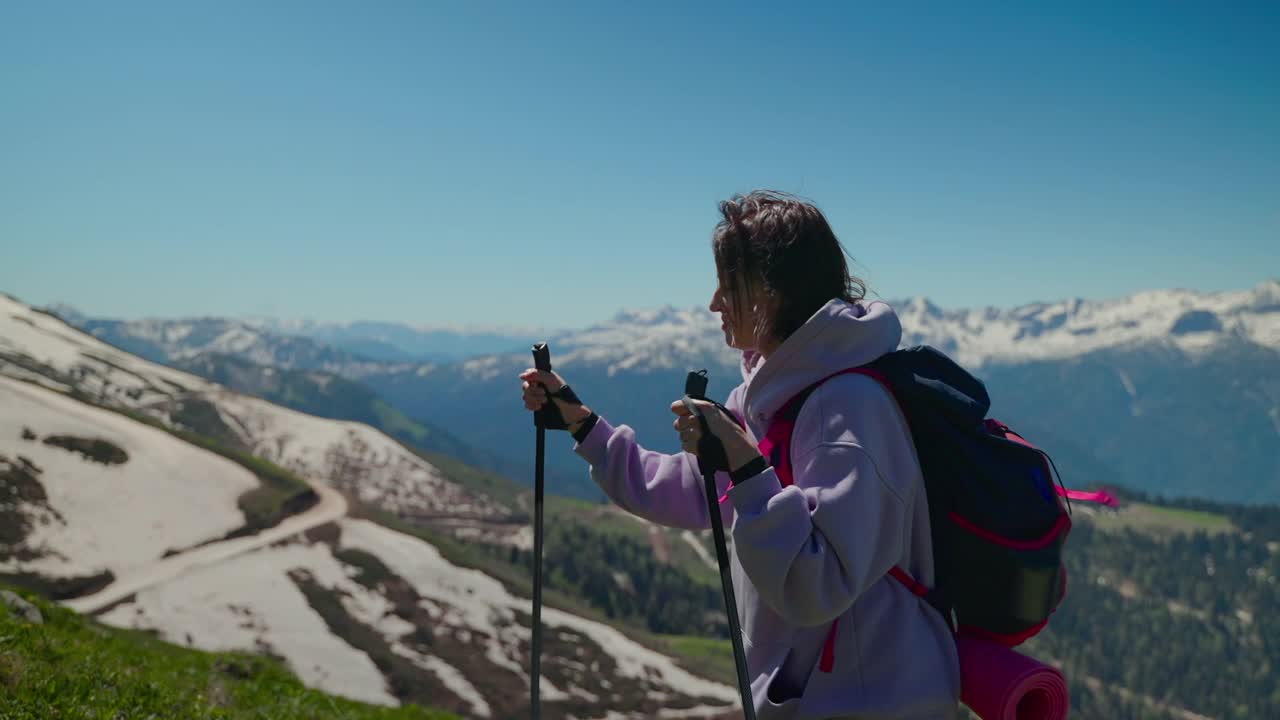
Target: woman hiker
[[827, 633]]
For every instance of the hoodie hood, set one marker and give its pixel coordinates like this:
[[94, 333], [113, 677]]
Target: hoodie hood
[[839, 335]]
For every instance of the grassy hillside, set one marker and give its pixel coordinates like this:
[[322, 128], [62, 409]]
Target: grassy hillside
[[71, 667], [1164, 521]]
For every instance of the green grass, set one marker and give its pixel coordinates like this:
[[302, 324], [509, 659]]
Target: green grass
[[1158, 520], [713, 655], [57, 588], [685, 558], [201, 417], [1194, 518], [93, 449], [609, 519], [397, 424], [502, 489], [71, 667], [370, 570]]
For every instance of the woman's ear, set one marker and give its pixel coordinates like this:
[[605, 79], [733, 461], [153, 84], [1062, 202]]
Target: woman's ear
[[764, 311]]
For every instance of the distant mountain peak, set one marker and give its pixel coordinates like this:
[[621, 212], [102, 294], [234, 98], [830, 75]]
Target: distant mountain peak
[[657, 316], [67, 312], [923, 306]]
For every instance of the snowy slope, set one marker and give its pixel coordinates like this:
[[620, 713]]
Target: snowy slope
[[350, 456], [42, 348], [468, 638], [252, 605], [168, 494]]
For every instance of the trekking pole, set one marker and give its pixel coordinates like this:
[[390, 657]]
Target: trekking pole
[[711, 457], [541, 361]]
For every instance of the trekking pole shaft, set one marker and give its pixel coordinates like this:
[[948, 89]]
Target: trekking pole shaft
[[535, 664], [730, 602], [541, 361]]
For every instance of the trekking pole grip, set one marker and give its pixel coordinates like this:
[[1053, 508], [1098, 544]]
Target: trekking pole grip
[[542, 362]]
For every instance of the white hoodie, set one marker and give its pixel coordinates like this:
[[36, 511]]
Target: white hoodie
[[819, 550]]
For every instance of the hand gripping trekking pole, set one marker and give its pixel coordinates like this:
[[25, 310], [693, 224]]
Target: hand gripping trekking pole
[[711, 457], [541, 361]]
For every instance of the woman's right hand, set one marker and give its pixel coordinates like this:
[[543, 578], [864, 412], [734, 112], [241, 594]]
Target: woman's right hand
[[535, 384]]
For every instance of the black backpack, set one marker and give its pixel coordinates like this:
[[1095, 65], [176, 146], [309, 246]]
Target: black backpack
[[998, 520]]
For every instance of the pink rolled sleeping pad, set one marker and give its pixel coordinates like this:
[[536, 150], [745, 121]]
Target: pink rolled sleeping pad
[[999, 683]]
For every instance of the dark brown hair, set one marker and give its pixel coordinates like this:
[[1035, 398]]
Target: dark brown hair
[[782, 247]]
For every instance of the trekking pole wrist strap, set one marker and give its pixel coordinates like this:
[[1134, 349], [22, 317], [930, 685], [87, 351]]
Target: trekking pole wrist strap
[[754, 467], [566, 395], [552, 418]]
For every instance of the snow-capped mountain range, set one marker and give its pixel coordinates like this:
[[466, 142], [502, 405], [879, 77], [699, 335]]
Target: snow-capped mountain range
[[671, 337], [1173, 392], [1188, 320], [167, 341], [348, 347], [400, 342], [1037, 358]]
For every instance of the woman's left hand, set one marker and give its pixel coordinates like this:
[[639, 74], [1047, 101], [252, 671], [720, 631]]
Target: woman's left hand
[[739, 447]]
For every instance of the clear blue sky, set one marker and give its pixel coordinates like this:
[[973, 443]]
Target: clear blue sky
[[547, 164]]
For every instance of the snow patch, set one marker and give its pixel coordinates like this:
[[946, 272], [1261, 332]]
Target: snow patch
[[1128, 384], [168, 494], [523, 538], [253, 605]]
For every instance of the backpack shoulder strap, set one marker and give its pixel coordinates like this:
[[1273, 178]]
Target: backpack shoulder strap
[[776, 445]]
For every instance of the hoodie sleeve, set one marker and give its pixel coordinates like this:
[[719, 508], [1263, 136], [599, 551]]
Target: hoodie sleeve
[[813, 548], [665, 489]]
